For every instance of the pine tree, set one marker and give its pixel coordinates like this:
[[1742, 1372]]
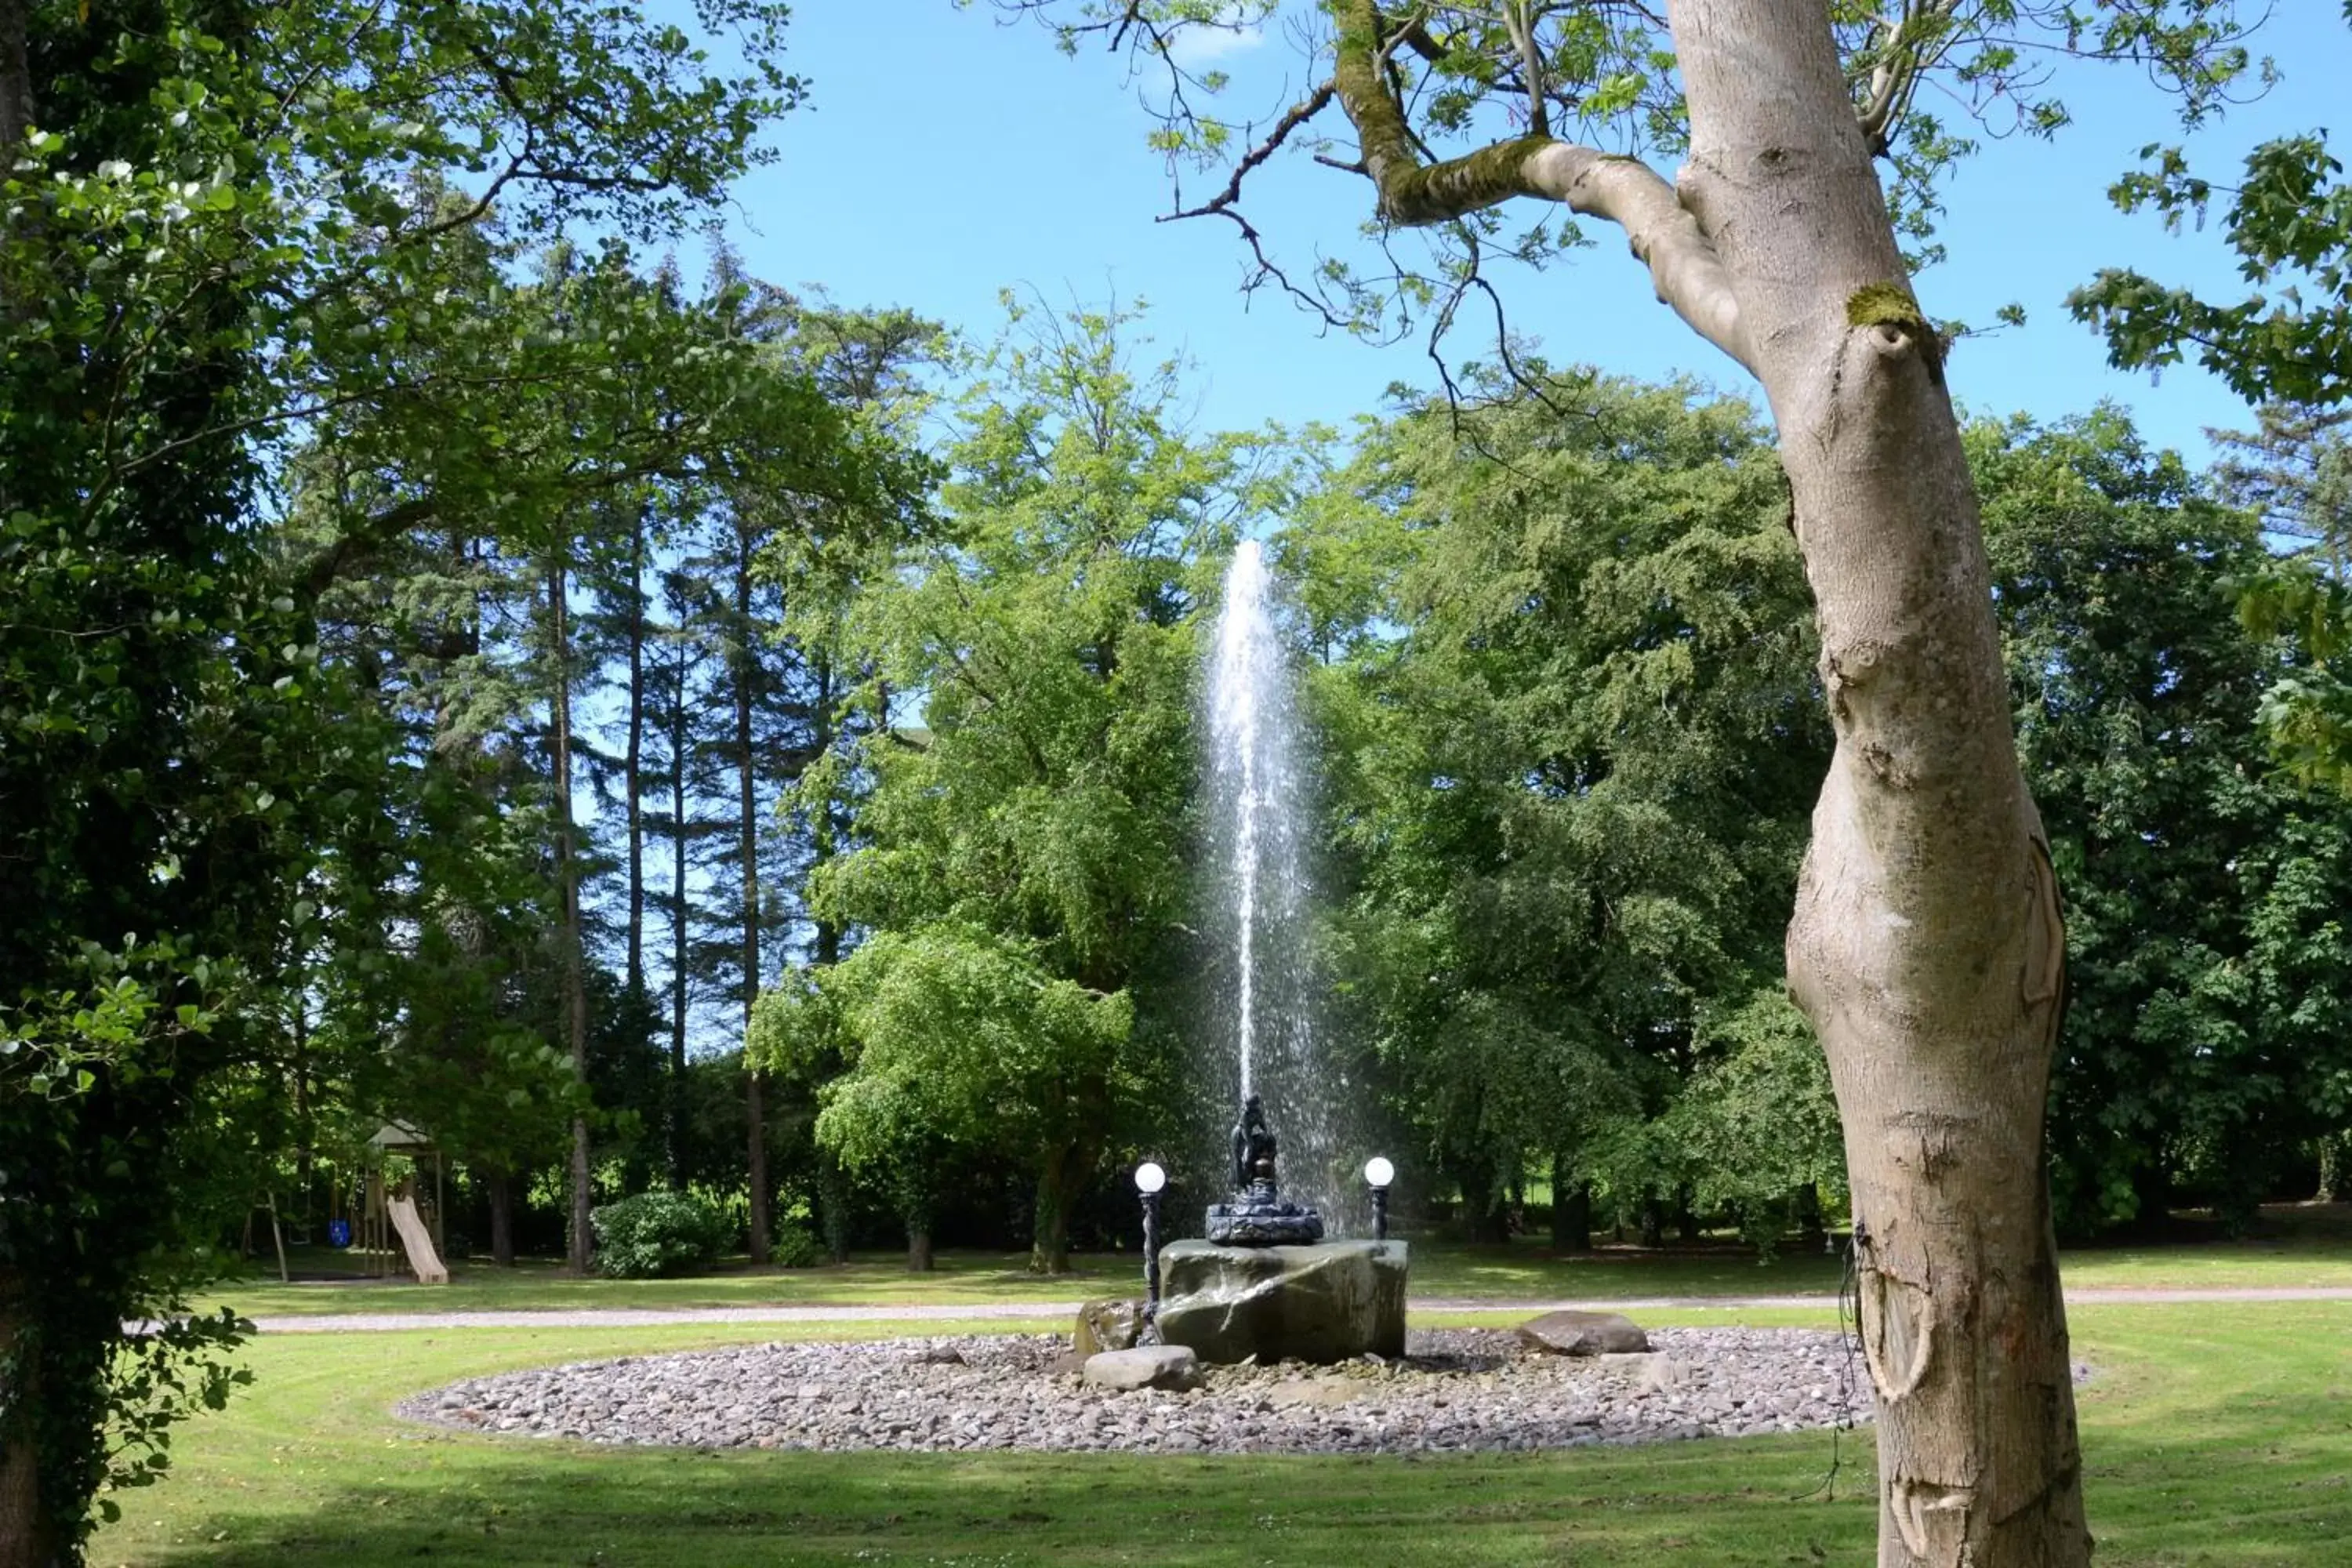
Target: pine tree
[[2294, 469]]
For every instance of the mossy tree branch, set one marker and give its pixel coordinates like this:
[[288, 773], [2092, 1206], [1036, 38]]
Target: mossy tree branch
[[1683, 266]]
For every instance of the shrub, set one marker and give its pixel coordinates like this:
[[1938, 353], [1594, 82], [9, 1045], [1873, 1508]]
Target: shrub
[[796, 1246], [659, 1233]]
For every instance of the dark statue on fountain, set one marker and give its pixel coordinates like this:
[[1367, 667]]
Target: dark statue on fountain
[[1256, 1216]]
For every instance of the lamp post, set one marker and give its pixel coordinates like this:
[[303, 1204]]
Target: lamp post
[[1149, 1179], [1378, 1174]]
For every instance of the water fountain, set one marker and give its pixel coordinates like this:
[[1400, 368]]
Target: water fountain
[[1265, 1283], [1265, 1286]]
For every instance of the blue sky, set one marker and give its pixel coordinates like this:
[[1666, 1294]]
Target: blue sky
[[944, 156]]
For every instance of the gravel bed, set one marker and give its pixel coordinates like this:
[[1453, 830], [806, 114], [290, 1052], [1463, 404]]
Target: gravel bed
[[1457, 1390]]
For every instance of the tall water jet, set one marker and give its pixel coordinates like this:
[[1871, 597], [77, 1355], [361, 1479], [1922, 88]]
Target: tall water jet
[[1265, 1043], [1264, 1286], [1253, 781]]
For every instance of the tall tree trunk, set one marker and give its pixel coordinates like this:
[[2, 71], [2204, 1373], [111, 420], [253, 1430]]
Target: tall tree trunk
[[824, 829], [1811, 1232], [678, 925], [632, 761], [833, 1206], [305, 1133], [575, 989], [502, 1189], [2152, 1197], [1654, 1218], [1572, 1210], [748, 848], [1925, 946], [16, 107], [1049, 1246], [755, 1114], [1483, 1219], [31, 1536], [917, 1186]]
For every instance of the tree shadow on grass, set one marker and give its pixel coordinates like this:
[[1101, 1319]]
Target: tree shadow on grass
[[1715, 1502], [2213, 1436]]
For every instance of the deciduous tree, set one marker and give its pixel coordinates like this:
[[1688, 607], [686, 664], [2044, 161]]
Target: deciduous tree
[[1020, 853], [1926, 946], [1569, 783], [213, 219]]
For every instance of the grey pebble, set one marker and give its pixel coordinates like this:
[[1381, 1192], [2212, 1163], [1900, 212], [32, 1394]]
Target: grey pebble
[[1457, 1389]]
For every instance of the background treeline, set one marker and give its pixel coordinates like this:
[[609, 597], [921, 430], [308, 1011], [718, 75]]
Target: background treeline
[[469, 646], [877, 696], [1558, 653], [688, 643], [880, 704], [468, 658]]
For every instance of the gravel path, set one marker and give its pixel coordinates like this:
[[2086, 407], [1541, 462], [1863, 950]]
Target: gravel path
[[647, 1317], [1457, 1390]]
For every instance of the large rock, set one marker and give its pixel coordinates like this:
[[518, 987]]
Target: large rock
[[1583, 1333], [1322, 1303], [1107, 1325], [1152, 1366]]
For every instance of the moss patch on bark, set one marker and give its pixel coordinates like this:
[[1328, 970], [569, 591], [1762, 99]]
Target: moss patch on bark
[[1891, 305]]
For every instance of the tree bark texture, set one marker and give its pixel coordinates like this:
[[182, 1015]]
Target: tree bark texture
[[633, 764], [678, 927], [501, 1195], [1925, 946], [747, 848], [579, 1253], [29, 1532], [16, 108]]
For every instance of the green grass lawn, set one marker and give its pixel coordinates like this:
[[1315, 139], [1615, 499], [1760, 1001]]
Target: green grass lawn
[[2213, 1434], [2305, 1246], [1440, 1270]]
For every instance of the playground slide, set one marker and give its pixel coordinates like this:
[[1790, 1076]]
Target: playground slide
[[417, 1241]]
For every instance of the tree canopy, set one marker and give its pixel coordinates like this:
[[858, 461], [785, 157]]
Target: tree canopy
[[473, 656]]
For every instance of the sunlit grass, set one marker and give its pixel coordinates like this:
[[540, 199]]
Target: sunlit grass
[[2213, 1436], [2308, 1246]]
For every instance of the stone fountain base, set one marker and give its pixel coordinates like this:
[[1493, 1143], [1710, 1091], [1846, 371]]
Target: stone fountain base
[[1322, 1303]]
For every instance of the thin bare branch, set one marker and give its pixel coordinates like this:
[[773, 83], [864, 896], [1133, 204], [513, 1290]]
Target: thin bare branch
[[1267, 268], [1685, 269], [1299, 114]]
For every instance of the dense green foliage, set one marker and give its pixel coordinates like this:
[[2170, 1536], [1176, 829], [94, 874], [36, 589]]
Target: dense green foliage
[[2203, 1042], [1021, 865], [670, 737], [228, 235], [2287, 348], [655, 1234], [1558, 653], [1571, 791]]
